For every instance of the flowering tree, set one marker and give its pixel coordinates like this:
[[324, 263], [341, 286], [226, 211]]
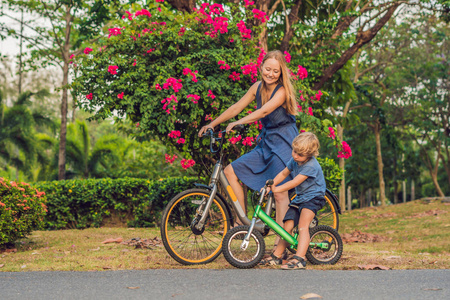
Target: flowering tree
[[171, 73]]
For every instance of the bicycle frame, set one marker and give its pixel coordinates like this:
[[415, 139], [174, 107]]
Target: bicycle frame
[[218, 176], [266, 219]]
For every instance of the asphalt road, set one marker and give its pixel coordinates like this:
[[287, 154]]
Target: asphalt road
[[226, 284]]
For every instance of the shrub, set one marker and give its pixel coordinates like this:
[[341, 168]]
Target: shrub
[[22, 209], [331, 172], [88, 203]]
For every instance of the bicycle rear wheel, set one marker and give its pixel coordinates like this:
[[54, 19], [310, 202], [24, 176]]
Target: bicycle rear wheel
[[328, 215], [182, 240], [325, 246]]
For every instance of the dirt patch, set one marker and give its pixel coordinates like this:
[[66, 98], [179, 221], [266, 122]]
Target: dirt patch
[[362, 237], [139, 243], [432, 212]]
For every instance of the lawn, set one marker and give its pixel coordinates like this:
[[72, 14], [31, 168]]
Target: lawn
[[414, 235]]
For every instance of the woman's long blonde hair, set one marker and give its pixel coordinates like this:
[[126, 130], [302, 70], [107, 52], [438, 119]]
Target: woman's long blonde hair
[[285, 80]]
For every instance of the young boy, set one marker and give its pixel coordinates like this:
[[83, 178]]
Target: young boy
[[309, 185]]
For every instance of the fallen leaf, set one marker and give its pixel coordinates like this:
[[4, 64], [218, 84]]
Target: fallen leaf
[[133, 287], [24, 266], [373, 267], [107, 241], [106, 268], [310, 296], [2, 265], [66, 252], [34, 253], [96, 249], [434, 289], [393, 257], [131, 228], [11, 250]]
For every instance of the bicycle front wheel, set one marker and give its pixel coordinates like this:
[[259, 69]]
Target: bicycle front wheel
[[245, 258], [183, 241]]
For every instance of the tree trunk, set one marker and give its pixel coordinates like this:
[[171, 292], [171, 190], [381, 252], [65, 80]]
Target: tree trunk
[[20, 53], [340, 132], [376, 130], [404, 191], [349, 198], [65, 81], [413, 191], [362, 38]]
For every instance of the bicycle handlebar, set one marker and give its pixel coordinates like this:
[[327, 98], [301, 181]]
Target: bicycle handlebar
[[220, 137]]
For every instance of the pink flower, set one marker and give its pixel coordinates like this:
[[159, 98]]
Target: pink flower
[[150, 50], [182, 31], [158, 87], [210, 94], [252, 70], [194, 98], [137, 124], [245, 32], [181, 141], [87, 50], [128, 15], [160, 1], [346, 151], [236, 139], [302, 72], [235, 76], [114, 31], [332, 134], [287, 56], [143, 12], [223, 65], [318, 95], [174, 134], [170, 159], [113, 69], [89, 96], [159, 8], [134, 62], [120, 96], [260, 15], [187, 163], [248, 3], [248, 141], [174, 83], [302, 131], [310, 111]]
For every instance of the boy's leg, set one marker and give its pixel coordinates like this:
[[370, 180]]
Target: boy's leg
[[298, 261], [306, 217], [282, 244], [282, 206]]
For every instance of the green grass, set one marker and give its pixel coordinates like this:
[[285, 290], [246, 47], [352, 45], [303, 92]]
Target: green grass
[[414, 242]]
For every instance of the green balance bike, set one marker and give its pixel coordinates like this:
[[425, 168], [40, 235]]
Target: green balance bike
[[243, 246]]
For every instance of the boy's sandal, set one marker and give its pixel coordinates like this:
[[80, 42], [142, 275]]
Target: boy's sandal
[[272, 260], [300, 264]]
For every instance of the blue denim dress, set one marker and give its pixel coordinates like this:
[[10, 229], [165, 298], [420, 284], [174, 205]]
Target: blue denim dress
[[273, 150]]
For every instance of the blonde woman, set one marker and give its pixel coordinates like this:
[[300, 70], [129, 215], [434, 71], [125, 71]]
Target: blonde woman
[[276, 109]]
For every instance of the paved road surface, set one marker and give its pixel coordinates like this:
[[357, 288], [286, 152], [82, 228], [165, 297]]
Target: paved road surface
[[226, 284]]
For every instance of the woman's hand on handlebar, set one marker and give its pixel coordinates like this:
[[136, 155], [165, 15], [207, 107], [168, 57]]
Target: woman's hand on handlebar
[[231, 126], [204, 129]]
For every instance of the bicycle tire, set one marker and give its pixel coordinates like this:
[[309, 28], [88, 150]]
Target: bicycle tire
[[331, 254], [243, 259], [186, 244]]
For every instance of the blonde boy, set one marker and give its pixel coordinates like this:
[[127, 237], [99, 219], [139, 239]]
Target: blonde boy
[[309, 184]]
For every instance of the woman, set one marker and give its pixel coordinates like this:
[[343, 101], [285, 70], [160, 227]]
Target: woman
[[276, 108]]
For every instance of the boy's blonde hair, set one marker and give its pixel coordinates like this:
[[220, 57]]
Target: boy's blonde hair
[[306, 144]]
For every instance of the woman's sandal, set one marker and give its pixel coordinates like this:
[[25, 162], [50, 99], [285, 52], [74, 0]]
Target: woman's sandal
[[299, 264], [272, 260]]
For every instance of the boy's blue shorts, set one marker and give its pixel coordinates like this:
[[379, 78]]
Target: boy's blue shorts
[[293, 213]]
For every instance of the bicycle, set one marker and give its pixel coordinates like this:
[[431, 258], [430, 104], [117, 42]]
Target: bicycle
[[195, 221]]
